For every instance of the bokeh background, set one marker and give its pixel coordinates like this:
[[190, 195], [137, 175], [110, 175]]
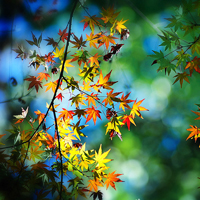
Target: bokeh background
[[155, 159]]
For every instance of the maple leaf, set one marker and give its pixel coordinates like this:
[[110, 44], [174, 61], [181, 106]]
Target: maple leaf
[[94, 59], [77, 129], [181, 77], [80, 112], [193, 64], [21, 53], [60, 96], [92, 113], [194, 132], [91, 99], [111, 97], [109, 15], [43, 76], [40, 116], [35, 41], [34, 153], [91, 21], [111, 178], [34, 83], [127, 119], [59, 53], [51, 42], [63, 34], [86, 87], [98, 194], [23, 115], [120, 26], [101, 158], [93, 39], [78, 99], [137, 108], [51, 85], [81, 56], [124, 102], [50, 141], [88, 73], [93, 184], [65, 114], [103, 82], [66, 65], [49, 57], [106, 40], [78, 42]]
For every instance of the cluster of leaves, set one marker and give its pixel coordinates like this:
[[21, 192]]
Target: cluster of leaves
[[182, 48], [86, 170]]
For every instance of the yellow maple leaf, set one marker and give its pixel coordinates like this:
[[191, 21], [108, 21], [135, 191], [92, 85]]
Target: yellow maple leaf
[[120, 26], [137, 108], [101, 158], [94, 59], [51, 85], [59, 53], [66, 65]]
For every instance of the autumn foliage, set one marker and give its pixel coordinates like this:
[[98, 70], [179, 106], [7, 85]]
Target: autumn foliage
[[32, 148]]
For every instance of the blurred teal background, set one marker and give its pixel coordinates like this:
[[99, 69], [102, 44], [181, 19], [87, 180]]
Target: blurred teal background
[[155, 159]]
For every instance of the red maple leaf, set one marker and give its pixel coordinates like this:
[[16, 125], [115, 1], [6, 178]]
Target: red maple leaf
[[59, 96], [92, 113], [63, 34], [34, 83]]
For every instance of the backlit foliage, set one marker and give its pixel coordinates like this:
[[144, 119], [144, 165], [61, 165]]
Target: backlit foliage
[[86, 170]]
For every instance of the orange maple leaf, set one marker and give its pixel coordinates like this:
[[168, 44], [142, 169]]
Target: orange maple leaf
[[91, 21], [91, 99], [40, 116], [136, 109], [49, 57], [93, 39], [92, 113], [111, 97], [194, 132], [52, 85], [43, 76], [111, 178], [103, 82], [34, 83], [93, 184], [106, 40], [94, 59], [65, 114], [124, 102], [194, 64]]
